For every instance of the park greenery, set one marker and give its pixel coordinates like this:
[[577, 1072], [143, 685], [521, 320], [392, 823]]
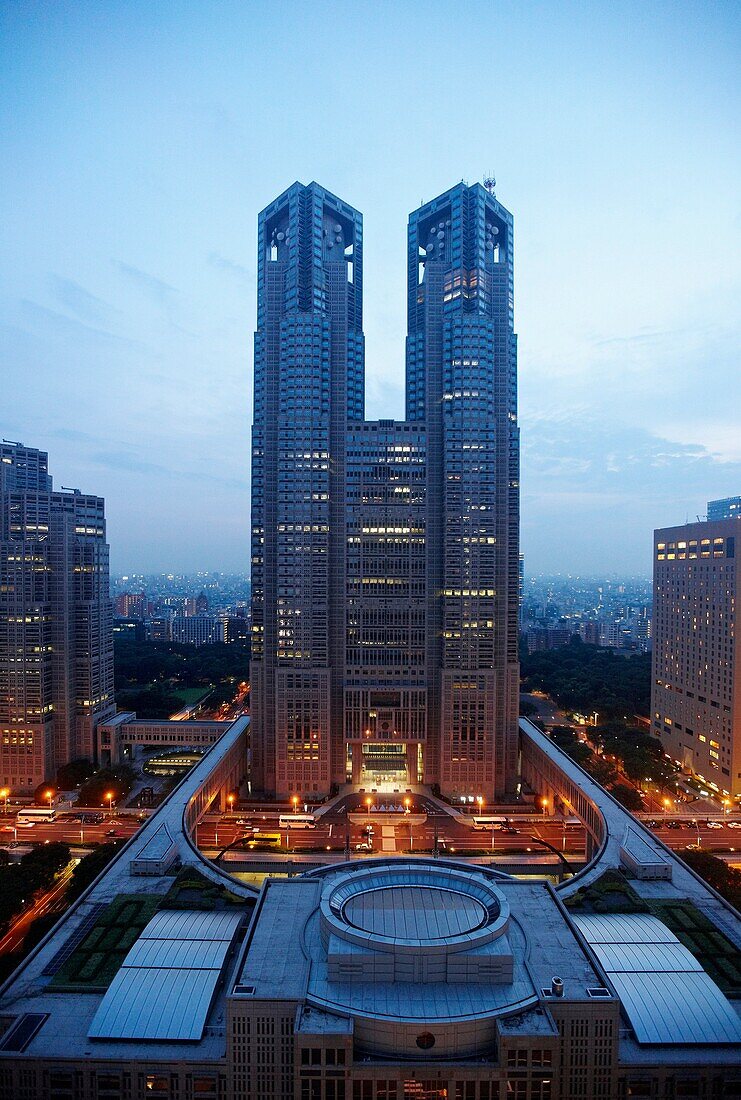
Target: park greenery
[[152, 678], [94, 964], [588, 678]]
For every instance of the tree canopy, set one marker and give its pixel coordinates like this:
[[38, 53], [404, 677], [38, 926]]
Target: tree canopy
[[590, 678]]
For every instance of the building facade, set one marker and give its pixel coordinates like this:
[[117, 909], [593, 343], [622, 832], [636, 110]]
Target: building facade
[[696, 675], [393, 978], [385, 554], [197, 629], [56, 638], [727, 508]]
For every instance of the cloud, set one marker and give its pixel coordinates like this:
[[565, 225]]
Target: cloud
[[157, 288], [123, 460], [60, 324], [79, 300], [223, 264], [719, 439]]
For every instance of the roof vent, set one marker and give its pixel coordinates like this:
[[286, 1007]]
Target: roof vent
[[557, 987], [598, 991]]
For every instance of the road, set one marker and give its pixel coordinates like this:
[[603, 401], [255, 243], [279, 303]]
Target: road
[[395, 835], [52, 900], [392, 834], [68, 831]]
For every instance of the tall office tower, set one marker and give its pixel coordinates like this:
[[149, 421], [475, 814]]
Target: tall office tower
[[521, 589], [385, 554], [696, 675], [728, 508], [56, 640]]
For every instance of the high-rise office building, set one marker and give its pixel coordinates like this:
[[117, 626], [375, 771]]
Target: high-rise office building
[[727, 508], [56, 640], [696, 675], [385, 554], [197, 629]]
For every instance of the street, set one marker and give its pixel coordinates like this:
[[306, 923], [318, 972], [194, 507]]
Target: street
[[51, 900], [66, 830]]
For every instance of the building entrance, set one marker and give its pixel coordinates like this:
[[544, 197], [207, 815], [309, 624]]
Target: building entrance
[[384, 766]]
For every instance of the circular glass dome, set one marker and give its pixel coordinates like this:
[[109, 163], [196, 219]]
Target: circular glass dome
[[413, 907], [414, 912]]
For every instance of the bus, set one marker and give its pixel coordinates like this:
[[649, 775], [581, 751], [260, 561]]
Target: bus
[[273, 839], [36, 814], [489, 821], [297, 821]]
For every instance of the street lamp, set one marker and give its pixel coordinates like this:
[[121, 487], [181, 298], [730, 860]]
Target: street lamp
[[5, 793], [109, 796], [406, 805], [230, 801], [544, 804], [50, 796], [667, 804], [294, 800]]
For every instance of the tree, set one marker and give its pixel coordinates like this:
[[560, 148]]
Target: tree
[[43, 863], [602, 771], [717, 873], [35, 871], [73, 774], [88, 869], [155, 701], [628, 797], [588, 678], [41, 793], [106, 786], [527, 708]]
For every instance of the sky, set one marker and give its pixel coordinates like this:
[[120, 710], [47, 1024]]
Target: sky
[[138, 142]]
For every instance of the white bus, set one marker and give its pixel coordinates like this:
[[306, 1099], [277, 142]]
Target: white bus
[[488, 821], [36, 814], [297, 821]]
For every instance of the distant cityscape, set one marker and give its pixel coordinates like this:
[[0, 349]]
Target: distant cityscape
[[198, 609], [612, 612]]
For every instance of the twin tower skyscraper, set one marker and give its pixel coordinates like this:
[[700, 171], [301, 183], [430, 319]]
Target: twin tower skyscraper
[[385, 553]]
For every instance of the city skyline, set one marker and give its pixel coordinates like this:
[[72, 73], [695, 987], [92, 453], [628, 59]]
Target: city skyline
[[143, 282]]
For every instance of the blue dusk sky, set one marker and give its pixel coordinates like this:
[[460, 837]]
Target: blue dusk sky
[[140, 140]]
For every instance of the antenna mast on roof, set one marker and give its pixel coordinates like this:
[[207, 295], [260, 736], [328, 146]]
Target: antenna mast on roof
[[490, 183]]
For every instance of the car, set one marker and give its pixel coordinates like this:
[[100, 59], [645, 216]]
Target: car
[[653, 824], [243, 821], [674, 825], [363, 847], [690, 824], [713, 824], [510, 830], [13, 844], [734, 824], [692, 847], [113, 832]]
